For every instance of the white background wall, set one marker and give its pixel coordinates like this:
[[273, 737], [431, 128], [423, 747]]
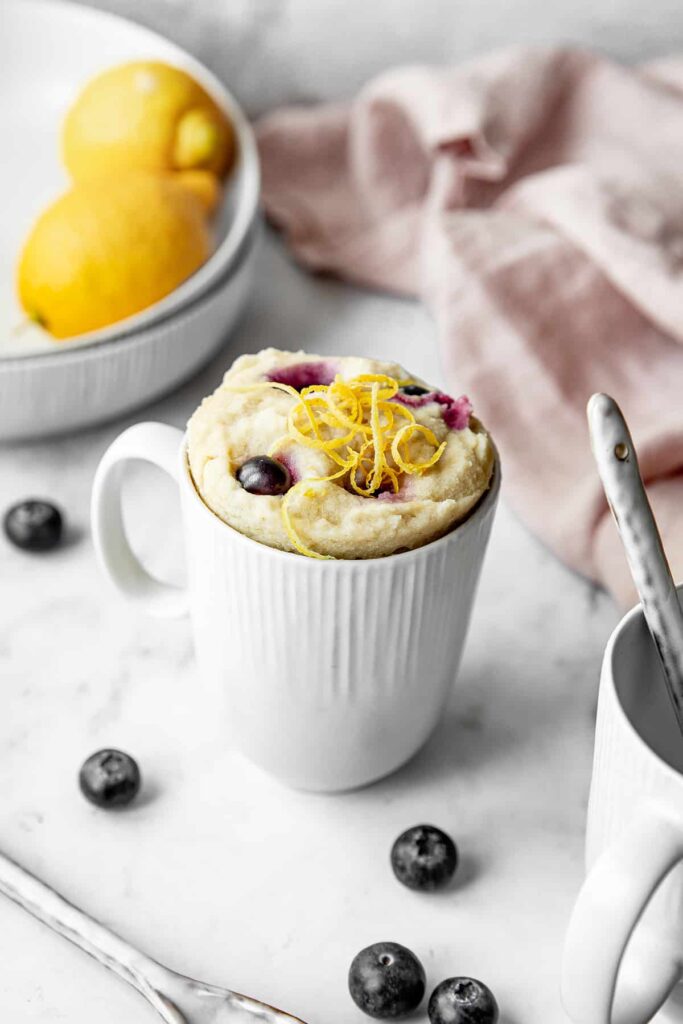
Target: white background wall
[[275, 50]]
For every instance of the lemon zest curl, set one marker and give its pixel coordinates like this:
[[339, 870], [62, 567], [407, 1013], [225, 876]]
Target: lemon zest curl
[[354, 423]]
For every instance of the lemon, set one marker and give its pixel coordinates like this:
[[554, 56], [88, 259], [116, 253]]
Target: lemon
[[145, 115], [110, 247], [205, 186]]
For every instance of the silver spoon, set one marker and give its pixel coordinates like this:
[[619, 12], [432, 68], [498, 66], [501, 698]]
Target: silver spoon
[[617, 462], [177, 1000]]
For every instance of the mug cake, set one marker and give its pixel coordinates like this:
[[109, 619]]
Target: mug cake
[[336, 457]]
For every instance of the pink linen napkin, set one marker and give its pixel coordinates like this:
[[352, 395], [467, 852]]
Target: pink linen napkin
[[534, 200]]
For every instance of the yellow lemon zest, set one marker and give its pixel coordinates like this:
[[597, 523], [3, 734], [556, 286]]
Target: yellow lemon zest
[[344, 406], [403, 435], [363, 458], [379, 462], [314, 439], [291, 532], [392, 476], [402, 410], [309, 493], [356, 424], [386, 408], [391, 385]]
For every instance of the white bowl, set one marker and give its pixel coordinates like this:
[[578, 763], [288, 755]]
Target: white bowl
[[48, 50], [48, 395]]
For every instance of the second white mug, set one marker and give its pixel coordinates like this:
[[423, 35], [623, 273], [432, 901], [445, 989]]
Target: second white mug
[[623, 957], [332, 673]]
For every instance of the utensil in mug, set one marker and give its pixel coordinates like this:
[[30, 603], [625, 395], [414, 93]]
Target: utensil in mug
[[623, 955], [332, 673], [617, 463], [177, 999]]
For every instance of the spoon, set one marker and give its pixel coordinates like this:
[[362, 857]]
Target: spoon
[[177, 1000], [617, 463]]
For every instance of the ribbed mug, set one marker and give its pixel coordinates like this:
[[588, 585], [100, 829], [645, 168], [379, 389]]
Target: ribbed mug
[[332, 673]]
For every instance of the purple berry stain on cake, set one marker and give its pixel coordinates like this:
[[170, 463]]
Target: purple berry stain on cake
[[413, 401], [456, 413], [304, 375], [287, 461], [387, 493]]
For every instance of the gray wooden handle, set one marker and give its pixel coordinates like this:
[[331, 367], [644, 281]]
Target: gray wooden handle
[[617, 464]]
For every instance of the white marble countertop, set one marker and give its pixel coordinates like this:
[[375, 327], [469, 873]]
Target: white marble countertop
[[220, 871]]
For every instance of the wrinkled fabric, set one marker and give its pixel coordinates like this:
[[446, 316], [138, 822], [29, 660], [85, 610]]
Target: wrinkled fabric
[[534, 200]]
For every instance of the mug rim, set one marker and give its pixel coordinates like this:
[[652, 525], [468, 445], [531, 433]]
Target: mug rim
[[608, 662], [486, 502]]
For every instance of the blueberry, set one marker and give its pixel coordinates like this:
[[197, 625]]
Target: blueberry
[[109, 778], [424, 858], [386, 980], [462, 1001], [33, 525], [263, 475], [414, 389]]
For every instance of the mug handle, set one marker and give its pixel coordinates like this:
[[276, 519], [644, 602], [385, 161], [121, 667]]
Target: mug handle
[[610, 904], [157, 443]]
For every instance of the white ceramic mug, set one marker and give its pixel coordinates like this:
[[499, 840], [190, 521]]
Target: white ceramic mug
[[623, 956], [332, 673]]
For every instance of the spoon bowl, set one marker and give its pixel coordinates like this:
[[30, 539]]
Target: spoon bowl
[[181, 1000]]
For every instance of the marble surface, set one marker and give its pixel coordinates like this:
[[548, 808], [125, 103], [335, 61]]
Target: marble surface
[[221, 872]]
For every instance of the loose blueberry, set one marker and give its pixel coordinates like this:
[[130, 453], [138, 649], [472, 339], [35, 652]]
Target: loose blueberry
[[424, 858], [462, 1001], [33, 525], [386, 981], [414, 389], [109, 778], [263, 475]]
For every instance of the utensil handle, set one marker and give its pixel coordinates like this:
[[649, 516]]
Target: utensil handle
[[61, 916], [617, 463], [159, 444], [610, 904]]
